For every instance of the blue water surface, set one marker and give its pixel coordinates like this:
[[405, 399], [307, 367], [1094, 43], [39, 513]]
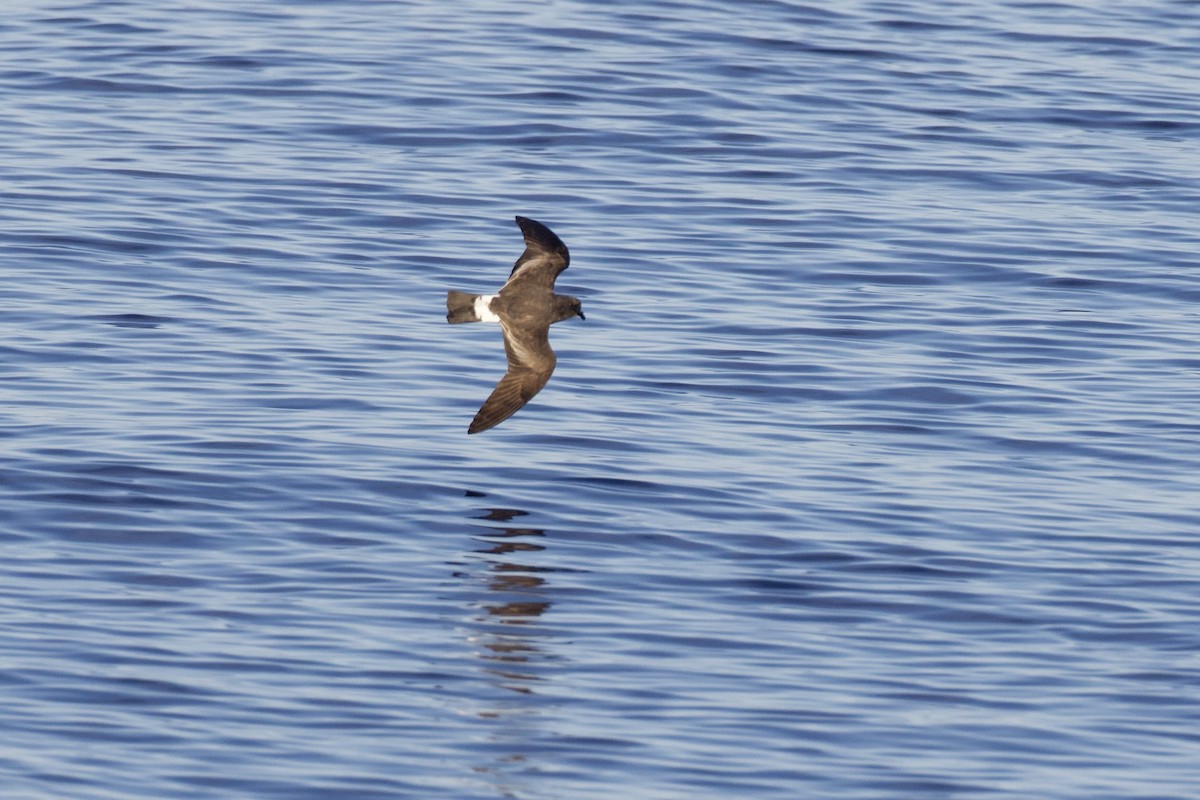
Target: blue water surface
[[871, 474]]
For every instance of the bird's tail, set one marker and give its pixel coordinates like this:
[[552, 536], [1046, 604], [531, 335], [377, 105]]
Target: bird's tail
[[460, 307]]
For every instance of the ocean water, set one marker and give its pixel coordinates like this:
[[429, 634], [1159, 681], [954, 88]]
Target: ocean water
[[871, 474]]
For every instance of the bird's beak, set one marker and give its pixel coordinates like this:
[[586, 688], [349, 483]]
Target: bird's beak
[[581, 316]]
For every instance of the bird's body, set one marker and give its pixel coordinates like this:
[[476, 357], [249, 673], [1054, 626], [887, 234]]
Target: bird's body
[[526, 306]]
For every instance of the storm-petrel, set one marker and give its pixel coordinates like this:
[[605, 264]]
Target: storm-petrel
[[526, 306]]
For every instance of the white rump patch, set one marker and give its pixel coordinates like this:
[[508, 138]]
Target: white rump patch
[[481, 308]]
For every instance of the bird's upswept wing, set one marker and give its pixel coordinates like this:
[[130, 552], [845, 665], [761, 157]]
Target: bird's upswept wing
[[545, 255]]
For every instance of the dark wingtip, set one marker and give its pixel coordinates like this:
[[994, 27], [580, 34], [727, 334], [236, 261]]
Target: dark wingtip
[[479, 426], [535, 231]]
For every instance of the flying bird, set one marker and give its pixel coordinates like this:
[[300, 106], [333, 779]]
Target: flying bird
[[526, 306]]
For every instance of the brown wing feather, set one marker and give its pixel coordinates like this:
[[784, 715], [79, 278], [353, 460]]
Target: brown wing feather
[[530, 363], [545, 254], [512, 392]]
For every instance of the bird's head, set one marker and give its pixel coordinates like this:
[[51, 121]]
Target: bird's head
[[568, 307]]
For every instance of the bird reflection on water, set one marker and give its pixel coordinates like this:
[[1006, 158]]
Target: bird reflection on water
[[504, 622], [508, 639]]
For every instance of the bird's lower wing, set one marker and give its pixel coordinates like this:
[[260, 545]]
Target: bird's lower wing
[[515, 389]]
